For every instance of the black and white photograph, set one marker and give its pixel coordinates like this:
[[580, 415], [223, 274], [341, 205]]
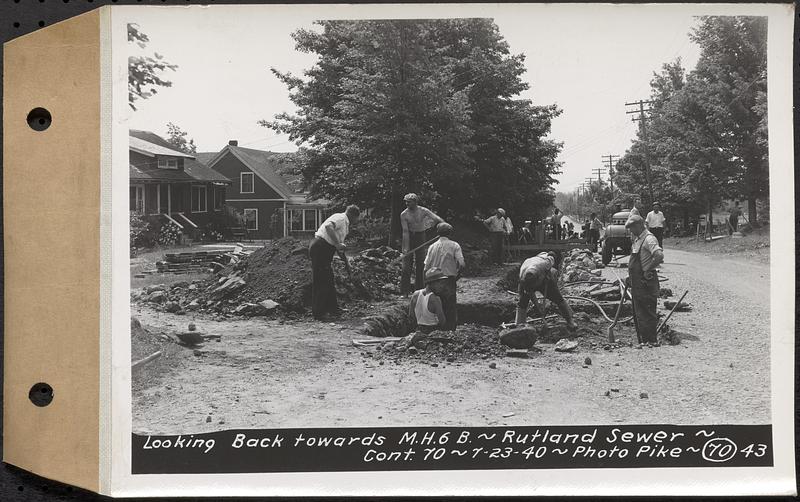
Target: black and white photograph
[[546, 217]]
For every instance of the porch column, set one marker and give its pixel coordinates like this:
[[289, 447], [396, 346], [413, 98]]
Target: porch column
[[169, 198], [285, 220]]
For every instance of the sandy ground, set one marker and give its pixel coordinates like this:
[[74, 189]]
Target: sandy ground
[[268, 374]]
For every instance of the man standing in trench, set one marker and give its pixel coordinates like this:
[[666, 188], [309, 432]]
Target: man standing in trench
[[445, 260], [415, 221], [646, 255], [327, 241], [537, 273]]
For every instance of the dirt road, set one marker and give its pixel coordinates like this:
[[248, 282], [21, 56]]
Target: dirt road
[[266, 374]]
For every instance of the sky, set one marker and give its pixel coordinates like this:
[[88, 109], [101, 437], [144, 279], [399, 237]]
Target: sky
[[589, 60]]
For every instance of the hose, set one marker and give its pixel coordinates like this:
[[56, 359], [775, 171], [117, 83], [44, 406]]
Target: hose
[[600, 308]]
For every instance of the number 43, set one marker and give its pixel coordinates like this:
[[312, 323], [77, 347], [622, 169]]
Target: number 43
[[757, 450]]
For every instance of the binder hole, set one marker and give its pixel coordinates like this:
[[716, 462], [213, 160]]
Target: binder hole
[[41, 394], [41, 24], [16, 24], [39, 119]]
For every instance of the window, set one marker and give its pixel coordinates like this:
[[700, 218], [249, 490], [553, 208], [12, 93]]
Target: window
[[199, 199], [303, 220], [251, 219], [247, 181], [167, 163], [137, 198], [219, 198], [309, 219]]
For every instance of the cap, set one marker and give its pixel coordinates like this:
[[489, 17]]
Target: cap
[[434, 274], [501, 211], [634, 218], [411, 196], [444, 228], [656, 204]]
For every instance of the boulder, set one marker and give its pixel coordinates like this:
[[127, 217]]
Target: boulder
[[519, 338], [172, 307], [154, 287], [158, 296], [565, 345]]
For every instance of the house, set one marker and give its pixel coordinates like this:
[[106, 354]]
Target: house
[[169, 185], [271, 201]]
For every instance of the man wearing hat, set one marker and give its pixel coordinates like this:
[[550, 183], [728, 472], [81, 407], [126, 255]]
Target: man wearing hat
[[538, 273], [655, 221], [426, 307], [499, 227], [443, 263], [646, 255], [415, 221]]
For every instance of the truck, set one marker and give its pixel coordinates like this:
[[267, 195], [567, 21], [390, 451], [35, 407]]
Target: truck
[[616, 238]]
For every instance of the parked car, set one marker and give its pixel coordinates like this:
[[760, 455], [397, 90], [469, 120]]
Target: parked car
[[616, 238]]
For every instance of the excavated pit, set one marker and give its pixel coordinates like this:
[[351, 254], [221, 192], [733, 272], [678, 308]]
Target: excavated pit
[[481, 314]]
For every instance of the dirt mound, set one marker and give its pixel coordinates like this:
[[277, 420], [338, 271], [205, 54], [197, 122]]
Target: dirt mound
[[277, 278], [144, 342], [467, 342]]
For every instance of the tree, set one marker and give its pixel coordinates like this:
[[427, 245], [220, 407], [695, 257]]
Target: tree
[[145, 72], [706, 133], [428, 106], [177, 137]]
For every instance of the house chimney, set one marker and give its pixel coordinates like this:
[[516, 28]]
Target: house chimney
[[233, 142]]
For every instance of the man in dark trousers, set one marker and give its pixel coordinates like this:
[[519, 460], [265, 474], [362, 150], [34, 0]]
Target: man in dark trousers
[[327, 241], [594, 231], [733, 219], [415, 221], [556, 219], [655, 223], [538, 273], [445, 260], [646, 256], [499, 226]]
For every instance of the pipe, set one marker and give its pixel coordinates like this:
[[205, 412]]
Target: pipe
[[603, 312]]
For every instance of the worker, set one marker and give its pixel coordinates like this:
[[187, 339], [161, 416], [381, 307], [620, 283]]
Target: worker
[[526, 233], [446, 259], [556, 219], [499, 227], [426, 307], [733, 219], [415, 221], [594, 231], [646, 255], [655, 222], [538, 273], [327, 241]]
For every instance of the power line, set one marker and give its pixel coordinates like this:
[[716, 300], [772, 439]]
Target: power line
[[642, 119], [611, 162]]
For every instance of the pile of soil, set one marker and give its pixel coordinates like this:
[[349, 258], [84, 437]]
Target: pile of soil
[[144, 342], [280, 272], [467, 342]]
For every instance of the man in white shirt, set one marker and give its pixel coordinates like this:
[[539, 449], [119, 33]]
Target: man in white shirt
[[499, 226], [646, 256], [446, 259], [655, 222], [327, 241]]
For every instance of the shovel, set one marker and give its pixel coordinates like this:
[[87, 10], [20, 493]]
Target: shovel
[[610, 330]]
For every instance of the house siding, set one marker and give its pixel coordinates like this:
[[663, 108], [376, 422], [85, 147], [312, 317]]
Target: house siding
[[265, 212], [231, 167]]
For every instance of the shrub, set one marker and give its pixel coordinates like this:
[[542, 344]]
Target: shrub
[[370, 228], [139, 228], [169, 235], [212, 232]]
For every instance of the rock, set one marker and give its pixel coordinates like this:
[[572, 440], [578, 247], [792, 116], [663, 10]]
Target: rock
[[300, 250], [683, 307], [587, 361], [589, 263], [208, 419], [154, 288], [450, 359], [192, 287], [412, 350], [582, 316], [172, 307], [190, 338], [493, 365], [157, 297], [519, 338], [614, 389], [664, 292], [193, 305], [192, 326], [565, 345], [508, 415], [643, 395]]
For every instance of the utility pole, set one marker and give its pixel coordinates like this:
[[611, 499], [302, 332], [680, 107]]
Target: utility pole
[[643, 129], [610, 161]]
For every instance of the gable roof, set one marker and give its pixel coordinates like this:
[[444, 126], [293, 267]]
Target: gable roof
[[264, 164], [151, 144]]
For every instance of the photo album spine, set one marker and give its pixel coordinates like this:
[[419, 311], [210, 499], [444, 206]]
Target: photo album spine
[[52, 211]]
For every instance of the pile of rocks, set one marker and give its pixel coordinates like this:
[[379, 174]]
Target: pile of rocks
[[467, 342], [581, 265]]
